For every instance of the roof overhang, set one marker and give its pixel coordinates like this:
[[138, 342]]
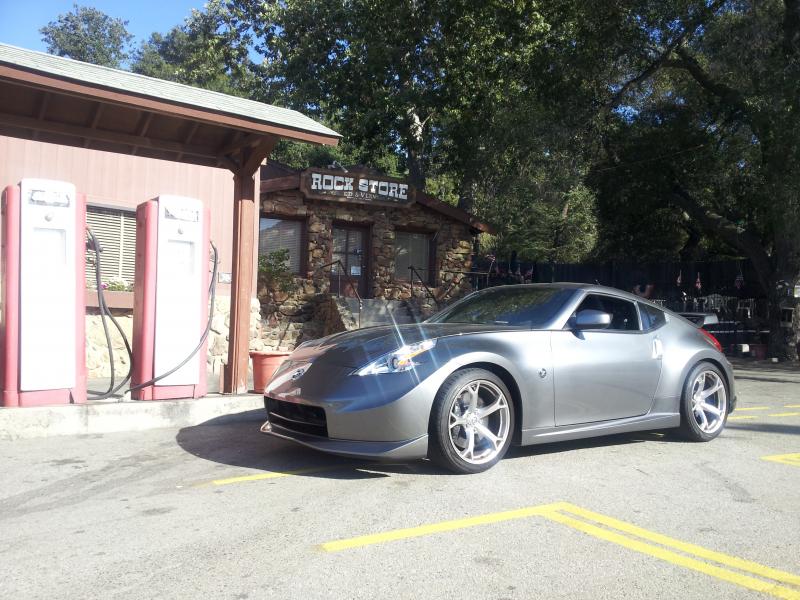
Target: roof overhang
[[55, 99]]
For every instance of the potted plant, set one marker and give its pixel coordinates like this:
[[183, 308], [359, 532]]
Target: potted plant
[[275, 285]]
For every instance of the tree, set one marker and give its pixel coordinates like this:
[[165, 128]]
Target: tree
[[89, 35], [416, 76], [207, 51], [708, 128]]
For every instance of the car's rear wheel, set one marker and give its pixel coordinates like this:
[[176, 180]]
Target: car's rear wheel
[[704, 405], [472, 421]]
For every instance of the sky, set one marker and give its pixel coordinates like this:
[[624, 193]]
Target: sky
[[20, 20]]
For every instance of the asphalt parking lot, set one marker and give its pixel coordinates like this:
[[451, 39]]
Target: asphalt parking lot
[[221, 511]]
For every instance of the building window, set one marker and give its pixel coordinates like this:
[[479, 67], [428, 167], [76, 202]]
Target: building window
[[115, 229], [412, 249], [282, 234]]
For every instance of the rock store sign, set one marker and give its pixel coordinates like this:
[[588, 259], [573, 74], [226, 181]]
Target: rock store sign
[[354, 187]]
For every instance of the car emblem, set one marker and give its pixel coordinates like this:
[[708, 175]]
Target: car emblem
[[298, 374]]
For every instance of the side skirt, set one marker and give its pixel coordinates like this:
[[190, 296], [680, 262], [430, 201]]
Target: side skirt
[[545, 435]]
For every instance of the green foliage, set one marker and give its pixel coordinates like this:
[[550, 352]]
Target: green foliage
[[274, 272], [417, 77], [89, 35], [208, 51]]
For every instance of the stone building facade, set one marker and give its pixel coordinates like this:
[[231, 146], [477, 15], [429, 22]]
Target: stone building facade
[[324, 216]]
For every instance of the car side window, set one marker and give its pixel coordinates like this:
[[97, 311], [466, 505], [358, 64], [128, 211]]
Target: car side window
[[652, 318], [623, 313]]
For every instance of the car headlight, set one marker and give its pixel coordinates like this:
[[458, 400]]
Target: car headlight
[[398, 361]]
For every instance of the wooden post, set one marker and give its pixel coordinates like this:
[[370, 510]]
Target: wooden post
[[244, 223]]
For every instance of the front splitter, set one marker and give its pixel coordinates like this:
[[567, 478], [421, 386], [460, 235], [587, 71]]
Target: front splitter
[[403, 450]]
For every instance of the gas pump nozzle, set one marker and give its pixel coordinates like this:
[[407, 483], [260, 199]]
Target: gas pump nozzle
[[92, 243]]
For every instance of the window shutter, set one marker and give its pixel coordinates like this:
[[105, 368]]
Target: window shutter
[[116, 232], [412, 249], [280, 234]]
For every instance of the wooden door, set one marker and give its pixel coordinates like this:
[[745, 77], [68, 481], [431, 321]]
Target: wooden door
[[350, 247]]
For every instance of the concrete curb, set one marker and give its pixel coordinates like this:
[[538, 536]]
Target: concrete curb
[[109, 417]]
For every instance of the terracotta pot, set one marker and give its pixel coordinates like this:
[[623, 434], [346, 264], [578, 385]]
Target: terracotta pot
[[265, 364]]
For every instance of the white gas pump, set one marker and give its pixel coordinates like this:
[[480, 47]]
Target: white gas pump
[[43, 298], [170, 299]]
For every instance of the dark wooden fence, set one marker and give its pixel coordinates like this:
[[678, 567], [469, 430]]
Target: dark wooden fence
[[669, 279]]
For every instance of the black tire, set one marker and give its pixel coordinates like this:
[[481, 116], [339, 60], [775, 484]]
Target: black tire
[[442, 449], [690, 429]]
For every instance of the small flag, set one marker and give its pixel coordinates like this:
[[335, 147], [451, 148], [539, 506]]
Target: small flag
[[698, 283], [739, 282], [680, 278]]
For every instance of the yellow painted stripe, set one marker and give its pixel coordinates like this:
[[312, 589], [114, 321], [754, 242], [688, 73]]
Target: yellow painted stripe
[[412, 532], [275, 475], [786, 414], [741, 417], [788, 459], [674, 558], [791, 406], [738, 408], [729, 561]]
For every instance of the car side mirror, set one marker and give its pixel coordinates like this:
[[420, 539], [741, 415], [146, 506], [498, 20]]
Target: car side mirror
[[592, 319], [710, 319]]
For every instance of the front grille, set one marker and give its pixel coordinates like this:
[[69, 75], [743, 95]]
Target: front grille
[[297, 417]]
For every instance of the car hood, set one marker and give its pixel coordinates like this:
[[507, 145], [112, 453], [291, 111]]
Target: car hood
[[362, 346]]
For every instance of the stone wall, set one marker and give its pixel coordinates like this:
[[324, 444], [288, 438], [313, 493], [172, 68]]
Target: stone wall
[[97, 363], [217, 354], [333, 316], [290, 318]]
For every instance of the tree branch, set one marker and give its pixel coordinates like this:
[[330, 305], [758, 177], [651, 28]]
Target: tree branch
[[654, 66], [736, 237], [724, 92]]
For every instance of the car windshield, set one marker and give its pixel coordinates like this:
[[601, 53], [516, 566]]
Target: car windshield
[[529, 307]]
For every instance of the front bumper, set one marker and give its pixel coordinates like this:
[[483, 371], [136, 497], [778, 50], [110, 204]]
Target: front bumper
[[404, 450]]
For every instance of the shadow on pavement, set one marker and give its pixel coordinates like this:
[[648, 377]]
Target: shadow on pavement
[[766, 427], [235, 440]]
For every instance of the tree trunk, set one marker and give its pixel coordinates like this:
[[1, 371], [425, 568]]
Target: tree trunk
[[415, 144], [784, 317], [466, 193], [416, 172]]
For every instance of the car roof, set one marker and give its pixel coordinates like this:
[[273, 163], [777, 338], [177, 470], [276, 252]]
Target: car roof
[[586, 287]]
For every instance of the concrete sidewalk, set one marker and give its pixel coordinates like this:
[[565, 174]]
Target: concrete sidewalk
[[109, 416]]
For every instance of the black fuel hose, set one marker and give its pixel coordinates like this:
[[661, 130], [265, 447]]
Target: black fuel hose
[[106, 313], [212, 288]]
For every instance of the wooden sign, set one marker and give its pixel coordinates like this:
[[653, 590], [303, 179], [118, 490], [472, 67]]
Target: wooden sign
[[353, 186]]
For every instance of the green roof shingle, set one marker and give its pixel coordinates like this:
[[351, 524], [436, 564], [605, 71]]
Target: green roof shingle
[[168, 91]]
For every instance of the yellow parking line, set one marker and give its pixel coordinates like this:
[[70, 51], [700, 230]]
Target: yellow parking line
[[719, 557], [791, 406], [739, 408], [412, 532], [675, 558], [275, 475], [785, 414], [787, 459], [741, 417], [748, 574]]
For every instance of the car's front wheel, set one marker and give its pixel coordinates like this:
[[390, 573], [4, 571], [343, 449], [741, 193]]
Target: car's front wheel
[[472, 421], [704, 404]]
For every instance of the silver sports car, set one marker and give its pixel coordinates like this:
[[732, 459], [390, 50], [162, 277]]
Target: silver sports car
[[522, 364]]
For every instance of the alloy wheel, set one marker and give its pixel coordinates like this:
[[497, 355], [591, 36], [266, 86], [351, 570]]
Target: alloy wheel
[[709, 401], [479, 421]]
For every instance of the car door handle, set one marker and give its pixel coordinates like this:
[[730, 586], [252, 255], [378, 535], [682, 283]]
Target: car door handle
[[658, 349]]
